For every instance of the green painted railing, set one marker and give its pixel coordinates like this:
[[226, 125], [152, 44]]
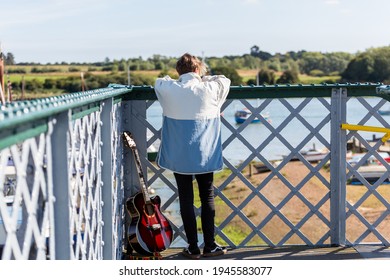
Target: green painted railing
[[282, 91]]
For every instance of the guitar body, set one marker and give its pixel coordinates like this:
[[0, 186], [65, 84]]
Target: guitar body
[[132, 236], [149, 231]]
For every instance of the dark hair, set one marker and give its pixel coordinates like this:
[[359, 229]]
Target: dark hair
[[187, 63]]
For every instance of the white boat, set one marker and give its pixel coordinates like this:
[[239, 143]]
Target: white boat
[[312, 155], [371, 169], [371, 173], [242, 115], [384, 112], [315, 155], [357, 157]]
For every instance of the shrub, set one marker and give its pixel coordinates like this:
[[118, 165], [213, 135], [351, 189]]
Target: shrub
[[229, 72], [288, 77], [17, 71], [74, 69], [266, 77]]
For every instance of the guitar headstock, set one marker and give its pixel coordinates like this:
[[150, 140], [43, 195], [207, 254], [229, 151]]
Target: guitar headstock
[[129, 141]]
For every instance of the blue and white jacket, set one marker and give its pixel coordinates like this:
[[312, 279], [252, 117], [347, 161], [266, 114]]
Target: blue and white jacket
[[191, 129]]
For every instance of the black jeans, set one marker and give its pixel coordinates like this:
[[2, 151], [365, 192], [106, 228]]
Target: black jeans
[[186, 199]]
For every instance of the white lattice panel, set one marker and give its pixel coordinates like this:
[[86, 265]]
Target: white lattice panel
[[367, 196], [85, 189], [23, 185], [118, 225]]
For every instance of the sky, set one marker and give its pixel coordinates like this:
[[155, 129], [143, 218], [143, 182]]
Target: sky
[[50, 31]]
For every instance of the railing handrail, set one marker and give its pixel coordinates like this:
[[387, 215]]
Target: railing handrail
[[281, 91], [19, 112]]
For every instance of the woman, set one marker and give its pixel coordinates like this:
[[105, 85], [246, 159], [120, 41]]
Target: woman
[[191, 144]]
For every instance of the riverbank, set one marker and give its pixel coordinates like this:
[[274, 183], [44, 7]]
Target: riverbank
[[289, 207]]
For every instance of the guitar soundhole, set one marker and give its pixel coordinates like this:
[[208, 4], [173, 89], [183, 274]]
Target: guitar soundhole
[[149, 209]]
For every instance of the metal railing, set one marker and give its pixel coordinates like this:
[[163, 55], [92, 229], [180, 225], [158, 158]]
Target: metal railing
[[64, 173], [60, 178]]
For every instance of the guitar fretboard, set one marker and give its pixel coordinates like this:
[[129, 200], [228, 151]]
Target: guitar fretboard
[[131, 143]]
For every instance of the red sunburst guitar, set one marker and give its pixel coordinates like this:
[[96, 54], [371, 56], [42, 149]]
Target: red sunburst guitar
[[149, 231]]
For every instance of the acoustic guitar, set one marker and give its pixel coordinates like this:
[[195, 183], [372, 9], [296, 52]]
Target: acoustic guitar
[[149, 231]]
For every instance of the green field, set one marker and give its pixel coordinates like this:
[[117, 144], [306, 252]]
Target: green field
[[37, 77]]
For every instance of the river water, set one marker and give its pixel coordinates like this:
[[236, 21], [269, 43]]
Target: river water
[[294, 132]]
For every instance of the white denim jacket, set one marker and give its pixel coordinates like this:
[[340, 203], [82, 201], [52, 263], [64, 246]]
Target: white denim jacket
[[191, 130]]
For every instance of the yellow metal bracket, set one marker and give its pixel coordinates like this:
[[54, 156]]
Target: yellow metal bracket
[[368, 128]]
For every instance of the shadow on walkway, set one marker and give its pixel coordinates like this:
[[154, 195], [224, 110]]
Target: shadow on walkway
[[294, 253]]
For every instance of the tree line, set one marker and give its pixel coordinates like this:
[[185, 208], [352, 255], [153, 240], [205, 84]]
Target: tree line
[[372, 65]]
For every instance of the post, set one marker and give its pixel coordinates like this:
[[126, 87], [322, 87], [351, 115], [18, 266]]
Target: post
[[60, 182], [338, 167], [83, 87], [107, 196], [133, 112], [128, 74], [2, 89], [23, 86]]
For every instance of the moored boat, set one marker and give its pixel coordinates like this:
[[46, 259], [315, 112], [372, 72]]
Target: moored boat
[[384, 112], [371, 173], [242, 115], [311, 155]]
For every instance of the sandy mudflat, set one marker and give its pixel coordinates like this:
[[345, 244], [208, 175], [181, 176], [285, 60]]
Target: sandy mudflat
[[290, 198]]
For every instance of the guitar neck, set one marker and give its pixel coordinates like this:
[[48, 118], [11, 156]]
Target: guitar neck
[[141, 177]]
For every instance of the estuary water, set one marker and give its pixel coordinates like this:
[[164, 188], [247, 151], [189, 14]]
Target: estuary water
[[294, 132]]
